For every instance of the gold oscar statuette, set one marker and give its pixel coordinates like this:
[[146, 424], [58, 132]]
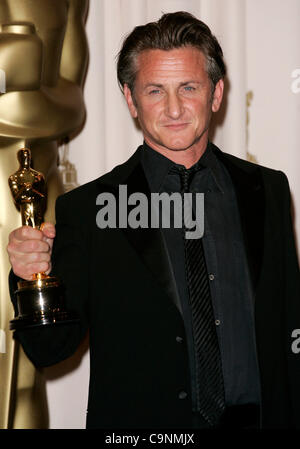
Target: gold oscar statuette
[[40, 301]]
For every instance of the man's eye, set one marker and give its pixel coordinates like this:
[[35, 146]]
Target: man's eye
[[189, 88], [154, 91]]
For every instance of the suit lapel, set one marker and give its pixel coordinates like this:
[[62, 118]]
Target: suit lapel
[[248, 184], [148, 242]]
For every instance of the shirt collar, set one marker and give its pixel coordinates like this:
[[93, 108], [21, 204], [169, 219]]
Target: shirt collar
[[210, 161], [157, 166]]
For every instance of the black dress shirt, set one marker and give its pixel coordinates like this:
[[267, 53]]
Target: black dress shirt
[[231, 289]]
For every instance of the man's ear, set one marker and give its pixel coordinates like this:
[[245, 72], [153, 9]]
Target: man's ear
[[130, 102], [217, 96]]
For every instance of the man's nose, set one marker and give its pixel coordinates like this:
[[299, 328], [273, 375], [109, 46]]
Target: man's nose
[[174, 106]]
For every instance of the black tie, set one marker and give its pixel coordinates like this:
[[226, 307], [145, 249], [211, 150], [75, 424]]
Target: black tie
[[210, 388]]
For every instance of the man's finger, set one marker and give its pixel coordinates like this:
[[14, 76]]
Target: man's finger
[[25, 233], [27, 271], [30, 246], [48, 230]]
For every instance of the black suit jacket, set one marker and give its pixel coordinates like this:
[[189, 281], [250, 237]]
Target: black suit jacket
[[121, 284]]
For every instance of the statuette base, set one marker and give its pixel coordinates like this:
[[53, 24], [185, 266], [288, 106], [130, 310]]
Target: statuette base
[[41, 303]]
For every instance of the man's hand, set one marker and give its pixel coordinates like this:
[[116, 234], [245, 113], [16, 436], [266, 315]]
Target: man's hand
[[29, 250]]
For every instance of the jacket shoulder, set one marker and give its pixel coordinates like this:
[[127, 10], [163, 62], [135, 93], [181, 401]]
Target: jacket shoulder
[[248, 165], [267, 173]]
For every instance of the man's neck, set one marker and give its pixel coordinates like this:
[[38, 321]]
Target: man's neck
[[187, 157]]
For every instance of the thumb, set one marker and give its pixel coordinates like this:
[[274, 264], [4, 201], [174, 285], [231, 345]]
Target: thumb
[[48, 230]]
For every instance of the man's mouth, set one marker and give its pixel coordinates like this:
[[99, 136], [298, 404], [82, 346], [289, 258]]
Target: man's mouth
[[176, 126]]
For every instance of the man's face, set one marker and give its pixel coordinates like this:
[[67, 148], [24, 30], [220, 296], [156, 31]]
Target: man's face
[[173, 99]]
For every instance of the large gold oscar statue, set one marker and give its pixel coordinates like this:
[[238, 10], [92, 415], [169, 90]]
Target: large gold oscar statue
[[44, 55]]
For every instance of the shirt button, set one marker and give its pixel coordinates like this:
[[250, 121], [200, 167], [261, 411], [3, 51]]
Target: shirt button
[[179, 339], [211, 277], [217, 322], [182, 395]]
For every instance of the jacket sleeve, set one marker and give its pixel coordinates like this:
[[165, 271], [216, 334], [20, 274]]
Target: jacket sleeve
[[47, 345]]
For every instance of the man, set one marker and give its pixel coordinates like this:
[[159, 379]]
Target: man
[[161, 355]]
